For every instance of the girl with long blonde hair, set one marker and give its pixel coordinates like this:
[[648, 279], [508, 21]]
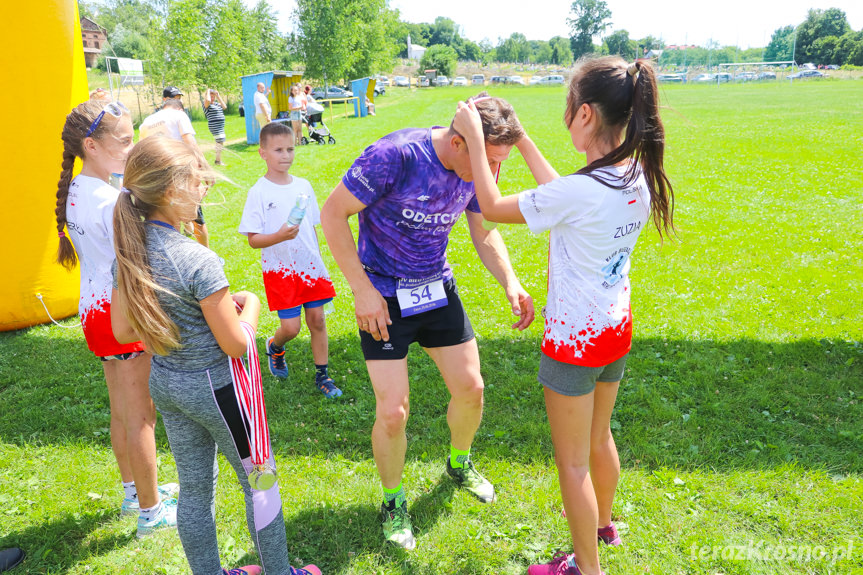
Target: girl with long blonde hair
[[172, 293]]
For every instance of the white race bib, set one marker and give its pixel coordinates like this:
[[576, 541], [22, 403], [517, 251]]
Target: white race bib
[[417, 296]]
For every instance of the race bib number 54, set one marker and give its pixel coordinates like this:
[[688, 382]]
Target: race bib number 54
[[417, 296]]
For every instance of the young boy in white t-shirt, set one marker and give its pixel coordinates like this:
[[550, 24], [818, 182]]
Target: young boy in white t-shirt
[[294, 273]]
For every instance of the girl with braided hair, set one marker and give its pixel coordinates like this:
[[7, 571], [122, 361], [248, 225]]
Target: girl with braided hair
[[100, 134]]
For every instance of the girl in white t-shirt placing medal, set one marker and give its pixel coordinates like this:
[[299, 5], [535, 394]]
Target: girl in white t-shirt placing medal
[[594, 217]]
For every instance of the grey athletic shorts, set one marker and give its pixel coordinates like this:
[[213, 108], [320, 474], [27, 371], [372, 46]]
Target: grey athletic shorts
[[574, 380]]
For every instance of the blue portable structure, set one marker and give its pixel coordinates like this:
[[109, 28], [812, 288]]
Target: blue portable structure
[[363, 88], [280, 82]]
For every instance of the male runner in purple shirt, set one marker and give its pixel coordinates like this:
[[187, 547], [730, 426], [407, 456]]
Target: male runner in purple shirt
[[409, 189]]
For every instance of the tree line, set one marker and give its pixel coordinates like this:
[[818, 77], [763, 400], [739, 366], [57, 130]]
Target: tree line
[[210, 43]]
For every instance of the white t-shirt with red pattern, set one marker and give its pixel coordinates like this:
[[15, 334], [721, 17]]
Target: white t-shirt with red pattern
[[594, 228], [294, 271], [89, 225]]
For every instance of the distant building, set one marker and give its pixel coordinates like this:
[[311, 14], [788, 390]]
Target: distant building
[[94, 38], [415, 52], [681, 47], [654, 54]]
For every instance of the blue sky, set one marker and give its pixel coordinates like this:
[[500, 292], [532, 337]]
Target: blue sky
[[745, 23]]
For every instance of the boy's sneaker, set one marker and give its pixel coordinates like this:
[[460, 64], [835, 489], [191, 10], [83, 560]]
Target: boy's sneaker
[[131, 506], [307, 570], [167, 517], [247, 570], [277, 364], [470, 479], [609, 535], [397, 526], [327, 386]]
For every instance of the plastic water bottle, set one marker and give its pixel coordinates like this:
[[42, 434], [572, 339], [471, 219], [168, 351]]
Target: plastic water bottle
[[298, 212]]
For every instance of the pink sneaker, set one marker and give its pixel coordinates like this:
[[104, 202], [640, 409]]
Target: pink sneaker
[[307, 570], [247, 570], [559, 565], [609, 535]]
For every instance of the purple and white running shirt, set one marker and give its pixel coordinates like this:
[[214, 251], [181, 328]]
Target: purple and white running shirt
[[412, 203]]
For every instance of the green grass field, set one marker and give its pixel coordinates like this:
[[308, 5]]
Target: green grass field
[[738, 422]]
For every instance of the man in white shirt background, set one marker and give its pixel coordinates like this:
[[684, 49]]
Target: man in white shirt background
[[263, 110]]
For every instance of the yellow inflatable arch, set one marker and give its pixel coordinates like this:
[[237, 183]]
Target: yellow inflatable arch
[[43, 79]]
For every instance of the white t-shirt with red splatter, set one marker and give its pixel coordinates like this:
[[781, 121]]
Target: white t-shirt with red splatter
[[593, 230], [294, 272], [89, 224]]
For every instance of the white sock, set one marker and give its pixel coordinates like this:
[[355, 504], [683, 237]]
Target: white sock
[[129, 490], [150, 513]]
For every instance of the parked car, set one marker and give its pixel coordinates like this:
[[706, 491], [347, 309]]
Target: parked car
[[459, 81], [441, 81], [745, 77], [806, 74], [515, 80], [477, 80], [723, 77], [402, 82], [497, 80], [332, 93], [552, 79], [383, 81], [831, 67], [534, 80], [766, 76], [671, 78], [423, 81]]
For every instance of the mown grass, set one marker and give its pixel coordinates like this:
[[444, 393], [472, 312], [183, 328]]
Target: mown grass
[[738, 422]]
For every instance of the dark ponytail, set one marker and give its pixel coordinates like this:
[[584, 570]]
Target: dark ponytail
[[66, 255], [626, 95]]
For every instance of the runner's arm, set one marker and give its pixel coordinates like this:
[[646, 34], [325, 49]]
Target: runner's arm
[[542, 171], [493, 253], [370, 307]]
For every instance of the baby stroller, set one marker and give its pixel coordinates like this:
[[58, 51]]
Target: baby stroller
[[318, 131]]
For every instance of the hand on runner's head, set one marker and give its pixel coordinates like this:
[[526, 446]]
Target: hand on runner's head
[[467, 122]]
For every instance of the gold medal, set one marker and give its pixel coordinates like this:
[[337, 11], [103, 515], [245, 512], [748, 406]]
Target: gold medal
[[262, 477]]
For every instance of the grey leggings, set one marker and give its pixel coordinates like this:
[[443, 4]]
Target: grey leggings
[[200, 413]]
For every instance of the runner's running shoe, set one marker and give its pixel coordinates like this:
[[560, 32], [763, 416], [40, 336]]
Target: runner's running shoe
[[397, 526], [167, 517], [470, 479], [327, 386], [307, 570], [130, 506], [277, 364]]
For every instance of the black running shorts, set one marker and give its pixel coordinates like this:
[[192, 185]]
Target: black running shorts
[[441, 327]]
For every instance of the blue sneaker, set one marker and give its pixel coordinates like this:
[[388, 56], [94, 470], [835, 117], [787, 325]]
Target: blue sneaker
[[277, 364], [166, 517], [130, 506], [327, 386]]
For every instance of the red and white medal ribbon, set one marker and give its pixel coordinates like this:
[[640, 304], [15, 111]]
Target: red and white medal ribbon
[[250, 398]]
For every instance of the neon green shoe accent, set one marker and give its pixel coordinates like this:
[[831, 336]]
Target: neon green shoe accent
[[469, 478], [397, 526]]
